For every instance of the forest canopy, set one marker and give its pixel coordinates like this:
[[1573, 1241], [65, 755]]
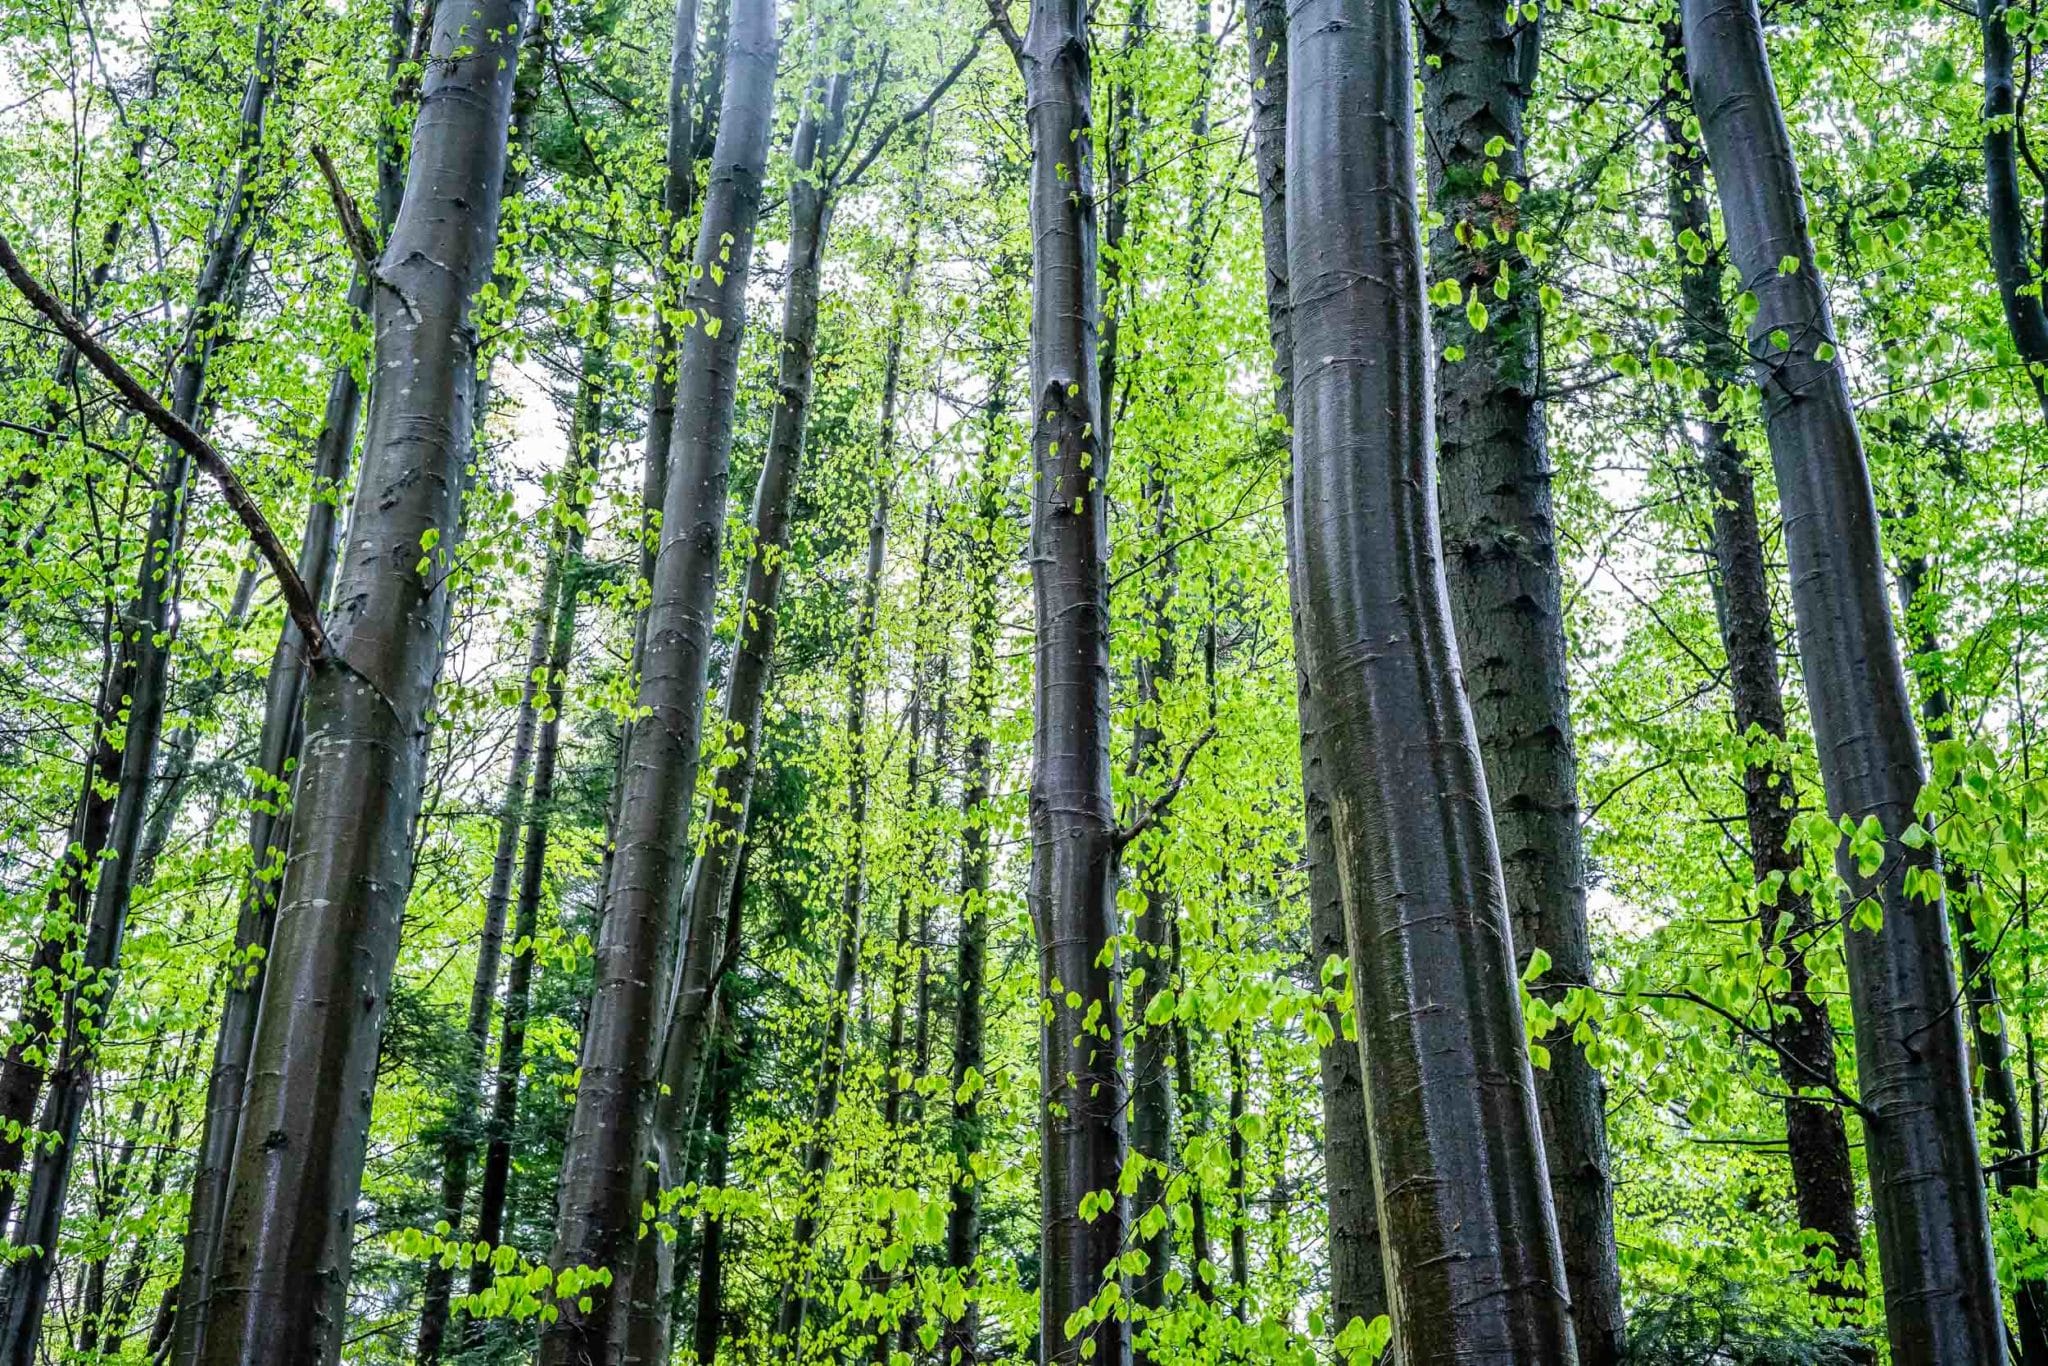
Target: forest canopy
[[954, 682]]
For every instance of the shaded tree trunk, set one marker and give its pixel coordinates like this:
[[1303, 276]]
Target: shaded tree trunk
[[2017, 1165], [2013, 258], [1934, 1238], [1816, 1138], [1473, 1257], [279, 1290], [602, 1181], [1500, 557]]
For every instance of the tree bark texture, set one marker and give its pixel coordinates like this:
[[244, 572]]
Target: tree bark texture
[[279, 1292], [1816, 1137], [1500, 556]]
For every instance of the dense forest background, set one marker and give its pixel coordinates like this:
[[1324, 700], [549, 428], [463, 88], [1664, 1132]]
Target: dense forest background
[[584, 706]]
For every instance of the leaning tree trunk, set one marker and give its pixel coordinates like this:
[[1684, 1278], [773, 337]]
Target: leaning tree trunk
[[726, 1078], [279, 1293], [1474, 1264], [1072, 818], [1507, 599], [710, 883], [1816, 1138], [601, 1188], [2016, 1165], [142, 692], [269, 835], [1357, 1281], [1933, 1229]]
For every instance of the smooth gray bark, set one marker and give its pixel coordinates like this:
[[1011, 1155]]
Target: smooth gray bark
[[602, 1184], [279, 1293], [1473, 1261], [1933, 1231]]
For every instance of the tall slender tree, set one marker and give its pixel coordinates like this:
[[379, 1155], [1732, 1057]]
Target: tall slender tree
[[599, 1206], [1933, 1231], [1816, 1135], [1074, 837], [1507, 598], [1357, 1281], [141, 695]]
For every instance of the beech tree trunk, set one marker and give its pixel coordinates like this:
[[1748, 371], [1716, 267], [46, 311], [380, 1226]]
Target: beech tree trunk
[[2014, 261], [602, 1182], [279, 1291], [1934, 1239], [708, 890], [1072, 817], [2016, 1166], [1357, 1280], [140, 695], [1816, 1138], [1500, 554], [1474, 1263]]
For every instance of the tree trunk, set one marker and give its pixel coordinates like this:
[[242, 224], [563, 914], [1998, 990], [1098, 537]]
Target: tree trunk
[[2017, 1165], [1816, 1138], [602, 1165], [147, 628], [1934, 1238], [711, 1255], [279, 1291], [1357, 1281], [1500, 554], [708, 889], [1072, 818], [1471, 1238], [2013, 258]]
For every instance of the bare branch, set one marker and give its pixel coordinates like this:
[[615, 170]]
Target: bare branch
[[999, 19], [361, 244], [298, 602], [914, 113]]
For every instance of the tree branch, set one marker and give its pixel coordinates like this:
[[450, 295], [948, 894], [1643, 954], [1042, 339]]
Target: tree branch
[[298, 602], [909, 116], [1163, 803], [361, 244], [999, 19], [1820, 1080]]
